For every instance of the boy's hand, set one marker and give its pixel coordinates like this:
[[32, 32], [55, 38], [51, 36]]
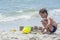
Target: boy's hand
[[43, 30]]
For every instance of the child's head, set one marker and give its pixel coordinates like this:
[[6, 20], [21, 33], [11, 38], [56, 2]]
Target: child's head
[[43, 13]]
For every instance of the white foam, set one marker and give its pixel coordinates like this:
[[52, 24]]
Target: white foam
[[5, 19], [16, 17], [54, 12]]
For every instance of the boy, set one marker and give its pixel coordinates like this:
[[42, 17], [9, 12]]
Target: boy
[[49, 24]]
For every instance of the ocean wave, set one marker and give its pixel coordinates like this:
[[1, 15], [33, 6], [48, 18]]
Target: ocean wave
[[29, 15], [5, 19], [54, 12], [20, 12]]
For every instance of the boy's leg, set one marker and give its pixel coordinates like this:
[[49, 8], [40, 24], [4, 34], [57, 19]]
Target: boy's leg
[[49, 28]]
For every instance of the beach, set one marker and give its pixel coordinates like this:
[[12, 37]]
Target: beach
[[18, 35], [16, 13]]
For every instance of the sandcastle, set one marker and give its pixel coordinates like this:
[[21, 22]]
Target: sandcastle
[[33, 29]]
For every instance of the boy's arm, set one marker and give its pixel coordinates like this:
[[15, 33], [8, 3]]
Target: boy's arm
[[49, 22]]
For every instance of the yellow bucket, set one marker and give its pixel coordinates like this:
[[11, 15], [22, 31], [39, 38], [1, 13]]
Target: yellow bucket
[[26, 29]]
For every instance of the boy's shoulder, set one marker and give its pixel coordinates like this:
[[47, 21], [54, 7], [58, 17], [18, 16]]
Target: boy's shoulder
[[49, 17]]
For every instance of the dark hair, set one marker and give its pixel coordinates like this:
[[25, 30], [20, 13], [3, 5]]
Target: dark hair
[[43, 10]]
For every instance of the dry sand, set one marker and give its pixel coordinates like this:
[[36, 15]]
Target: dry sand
[[9, 35]]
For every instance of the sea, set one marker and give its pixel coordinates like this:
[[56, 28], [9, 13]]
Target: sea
[[16, 13]]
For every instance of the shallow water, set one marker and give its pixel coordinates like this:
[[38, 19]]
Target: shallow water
[[25, 12]]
